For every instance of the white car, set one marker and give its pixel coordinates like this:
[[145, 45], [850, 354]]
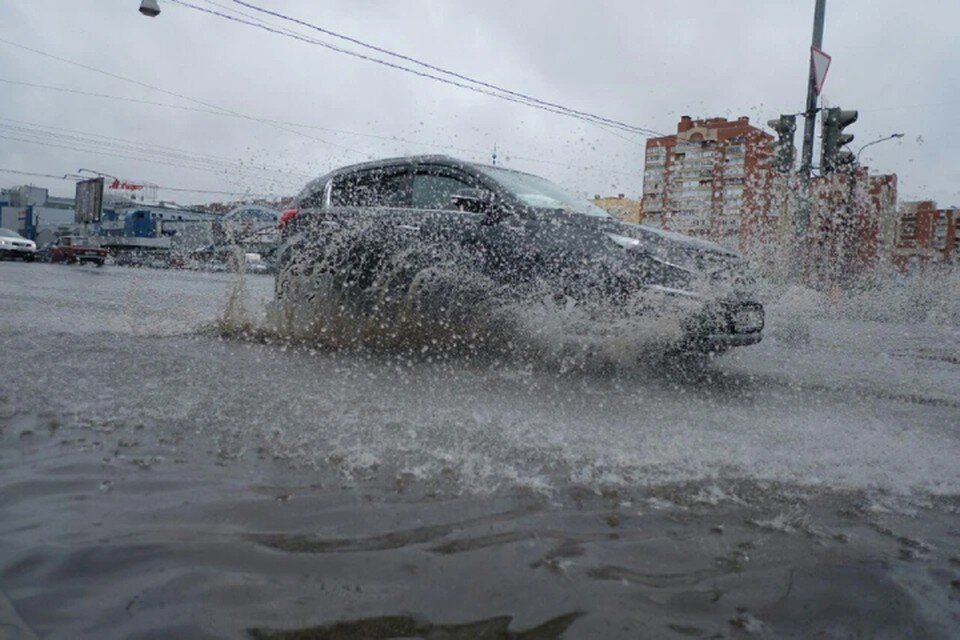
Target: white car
[[14, 245]]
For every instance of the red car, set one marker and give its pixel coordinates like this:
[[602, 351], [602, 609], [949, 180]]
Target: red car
[[72, 249]]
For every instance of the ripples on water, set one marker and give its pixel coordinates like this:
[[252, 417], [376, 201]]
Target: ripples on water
[[234, 481]]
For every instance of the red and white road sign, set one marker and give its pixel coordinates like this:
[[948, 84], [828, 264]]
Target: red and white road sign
[[820, 62]]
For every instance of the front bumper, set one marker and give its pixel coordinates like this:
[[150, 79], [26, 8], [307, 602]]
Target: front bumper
[[731, 323], [18, 252]]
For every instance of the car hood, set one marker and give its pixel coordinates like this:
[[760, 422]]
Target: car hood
[[692, 253]]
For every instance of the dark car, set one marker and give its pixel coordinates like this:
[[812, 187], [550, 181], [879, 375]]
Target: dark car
[[370, 232]]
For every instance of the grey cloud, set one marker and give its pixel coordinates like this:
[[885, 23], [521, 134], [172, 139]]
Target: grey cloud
[[645, 63]]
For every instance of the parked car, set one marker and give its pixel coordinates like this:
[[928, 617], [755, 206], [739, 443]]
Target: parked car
[[245, 221], [77, 249], [373, 227], [15, 246]]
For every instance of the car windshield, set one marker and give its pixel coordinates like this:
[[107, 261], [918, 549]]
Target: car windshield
[[540, 193], [7, 233]]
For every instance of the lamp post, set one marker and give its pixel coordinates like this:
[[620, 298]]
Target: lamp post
[[150, 8], [892, 136], [843, 236]]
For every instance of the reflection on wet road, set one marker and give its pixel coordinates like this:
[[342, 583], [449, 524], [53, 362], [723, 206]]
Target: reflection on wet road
[[160, 480]]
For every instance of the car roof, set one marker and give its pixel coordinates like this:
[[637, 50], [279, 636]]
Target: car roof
[[318, 183]]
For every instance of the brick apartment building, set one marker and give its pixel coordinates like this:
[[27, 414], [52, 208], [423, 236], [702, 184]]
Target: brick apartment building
[[852, 221], [622, 207], [712, 180], [926, 235]]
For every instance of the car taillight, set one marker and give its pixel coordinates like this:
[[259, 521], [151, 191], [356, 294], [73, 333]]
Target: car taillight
[[287, 216]]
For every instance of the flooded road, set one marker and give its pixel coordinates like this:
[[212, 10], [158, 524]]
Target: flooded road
[[159, 479]]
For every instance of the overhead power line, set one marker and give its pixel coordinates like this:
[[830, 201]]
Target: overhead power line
[[453, 74], [87, 146], [171, 153], [174, 94], [463, 82], [113, 154], [288, 123], [65, 178]]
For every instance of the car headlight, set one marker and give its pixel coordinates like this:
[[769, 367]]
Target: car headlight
[[4, 243], [624, 241], [653, 251]]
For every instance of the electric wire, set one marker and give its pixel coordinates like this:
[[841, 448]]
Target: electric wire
[[288, 123], [21, 126], [174, 94], [119, 154], [478, 89], [137, 155], [66, 178], [454, 74]]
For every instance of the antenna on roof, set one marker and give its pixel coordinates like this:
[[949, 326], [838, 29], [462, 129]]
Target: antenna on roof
[[493, 159]]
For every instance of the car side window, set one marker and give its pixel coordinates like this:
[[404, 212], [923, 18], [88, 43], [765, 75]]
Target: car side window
[[434, 191], [375, 188], [315, 199]]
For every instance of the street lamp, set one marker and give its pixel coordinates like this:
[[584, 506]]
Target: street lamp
[[878, 141], [150, 8]]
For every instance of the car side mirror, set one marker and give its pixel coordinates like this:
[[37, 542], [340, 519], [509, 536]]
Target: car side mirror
[[472, 200]]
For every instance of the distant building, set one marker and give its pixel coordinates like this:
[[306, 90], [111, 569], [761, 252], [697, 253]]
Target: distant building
[[852, 220], [623, 208], [926, 235], [711, 179], [28, 210]]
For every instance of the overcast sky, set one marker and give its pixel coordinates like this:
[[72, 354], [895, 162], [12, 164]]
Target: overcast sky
[[645, 63]]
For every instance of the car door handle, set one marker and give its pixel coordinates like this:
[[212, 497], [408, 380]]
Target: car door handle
[[408, 227], [330, 223]]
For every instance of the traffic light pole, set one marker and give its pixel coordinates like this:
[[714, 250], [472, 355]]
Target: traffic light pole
[[801, 222]]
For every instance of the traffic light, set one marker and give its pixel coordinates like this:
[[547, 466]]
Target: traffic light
[[785, 126], [833, 155]]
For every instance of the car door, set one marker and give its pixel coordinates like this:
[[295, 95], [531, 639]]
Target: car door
[[58, 253], [438, 219], [363, 222], [491, 239]]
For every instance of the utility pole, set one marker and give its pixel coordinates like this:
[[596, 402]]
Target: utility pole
[[810, 115], [801, 222]]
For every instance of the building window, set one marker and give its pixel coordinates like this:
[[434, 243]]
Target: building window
[[940, 232], [908, 228]]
